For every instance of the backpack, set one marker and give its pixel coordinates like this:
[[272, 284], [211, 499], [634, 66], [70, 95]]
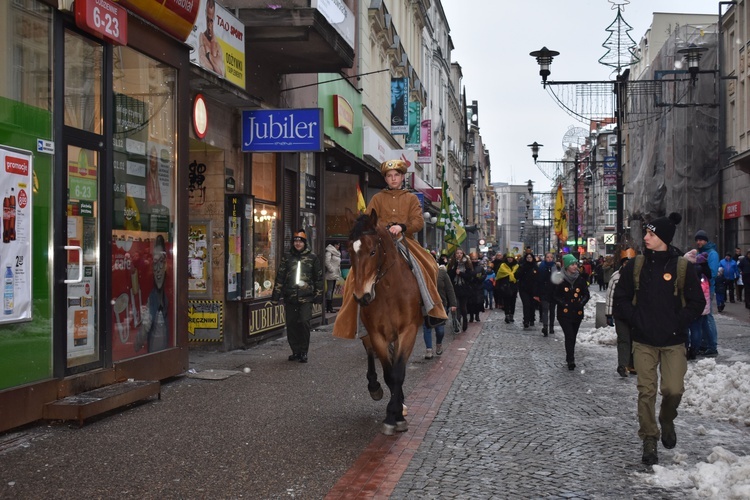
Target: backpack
[[679, 282]]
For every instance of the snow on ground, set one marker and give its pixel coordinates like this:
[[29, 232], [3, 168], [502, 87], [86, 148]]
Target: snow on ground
[[717, 391]]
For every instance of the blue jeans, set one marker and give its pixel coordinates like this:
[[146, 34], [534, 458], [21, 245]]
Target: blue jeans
[[439, 334], [489, 297], [696, 333], [710, 335]]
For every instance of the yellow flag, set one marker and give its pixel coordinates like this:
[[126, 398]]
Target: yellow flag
[[361, 205], [561, 216]]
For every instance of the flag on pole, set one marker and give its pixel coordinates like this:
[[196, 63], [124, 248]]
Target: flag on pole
[[361, 205], [450, 219], [561, 216]]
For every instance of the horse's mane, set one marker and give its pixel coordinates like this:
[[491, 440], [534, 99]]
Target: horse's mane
[[362, 226]]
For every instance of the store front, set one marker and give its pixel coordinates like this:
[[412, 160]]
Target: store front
[[90, 136]]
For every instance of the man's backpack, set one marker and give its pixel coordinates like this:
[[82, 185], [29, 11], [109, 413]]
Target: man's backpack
[[679, 282]]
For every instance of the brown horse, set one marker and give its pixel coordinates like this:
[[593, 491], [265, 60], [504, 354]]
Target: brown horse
[[390, 309]]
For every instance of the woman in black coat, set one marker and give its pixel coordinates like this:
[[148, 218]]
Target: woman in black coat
[[526, 276], [475, 304], [571, 295], [460, 269]]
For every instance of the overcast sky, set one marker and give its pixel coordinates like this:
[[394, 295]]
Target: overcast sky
[[492, 40]]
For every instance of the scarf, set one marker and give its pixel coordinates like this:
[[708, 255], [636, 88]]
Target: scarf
[[570, 277], [506, 271]]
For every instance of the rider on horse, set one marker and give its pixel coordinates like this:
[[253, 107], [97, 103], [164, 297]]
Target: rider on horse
[[400, 212]]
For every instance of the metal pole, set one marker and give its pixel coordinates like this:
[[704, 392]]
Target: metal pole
[[619, 92], [575, 214]]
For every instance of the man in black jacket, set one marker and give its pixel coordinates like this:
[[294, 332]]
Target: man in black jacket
[[299, 280], [653, 306]]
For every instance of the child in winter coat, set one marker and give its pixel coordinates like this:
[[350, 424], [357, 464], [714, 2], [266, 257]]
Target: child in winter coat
[[489, 287]]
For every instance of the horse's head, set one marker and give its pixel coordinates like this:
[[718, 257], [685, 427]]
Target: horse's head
[[367, 253]]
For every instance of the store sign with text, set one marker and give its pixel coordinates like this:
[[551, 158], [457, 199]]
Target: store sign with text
[[282, 130], [104, 19]]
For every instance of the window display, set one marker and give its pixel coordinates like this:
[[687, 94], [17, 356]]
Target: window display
[[144, 205], [265, 218]]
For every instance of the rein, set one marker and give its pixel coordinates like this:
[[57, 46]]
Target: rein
[[381, 258]]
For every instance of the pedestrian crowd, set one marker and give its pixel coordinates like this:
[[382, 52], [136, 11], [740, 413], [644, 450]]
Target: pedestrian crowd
[[661, 301]]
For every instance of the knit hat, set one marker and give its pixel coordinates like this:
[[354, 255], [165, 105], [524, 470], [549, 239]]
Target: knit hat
[[664, 227], [701, 235], [569, 260], [300, 236]]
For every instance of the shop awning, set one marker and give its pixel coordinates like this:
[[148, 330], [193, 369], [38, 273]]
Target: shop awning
[[433, 194]]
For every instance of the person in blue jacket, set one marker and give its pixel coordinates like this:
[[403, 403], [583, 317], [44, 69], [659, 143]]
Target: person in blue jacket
[[707, 249], [730, 274]]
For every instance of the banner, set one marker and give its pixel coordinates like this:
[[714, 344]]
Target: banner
[[415, 115], [399, 106], [450, 220], [425, 136], [15, 248], [218, 43], [561, 216], [361, 205]]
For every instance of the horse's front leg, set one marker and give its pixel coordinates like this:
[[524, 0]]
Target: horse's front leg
[[394, 420], [376, 390]]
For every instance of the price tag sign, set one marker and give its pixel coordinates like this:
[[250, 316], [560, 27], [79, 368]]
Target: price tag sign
[[104, 19]]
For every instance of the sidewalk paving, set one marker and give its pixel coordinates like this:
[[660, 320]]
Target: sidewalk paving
[[497, 416]]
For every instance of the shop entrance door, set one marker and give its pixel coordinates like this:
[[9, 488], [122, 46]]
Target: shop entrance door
[[83, 140]]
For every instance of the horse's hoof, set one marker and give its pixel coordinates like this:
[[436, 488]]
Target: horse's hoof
[[388, 429], [402, 426], [377, 395]]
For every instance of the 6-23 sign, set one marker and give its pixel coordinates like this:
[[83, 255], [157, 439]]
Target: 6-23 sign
[[103, 19]]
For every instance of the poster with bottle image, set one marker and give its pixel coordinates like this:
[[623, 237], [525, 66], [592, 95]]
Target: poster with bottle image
[[15, 246]]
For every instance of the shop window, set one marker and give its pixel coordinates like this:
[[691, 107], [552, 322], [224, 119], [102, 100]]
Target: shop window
[[144, 156], [265, 248], [83, 83], [25, 117], [264, 176], [341, 193]]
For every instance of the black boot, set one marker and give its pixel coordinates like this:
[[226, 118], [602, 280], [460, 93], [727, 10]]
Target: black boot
[[294, 356], [507, 318], [303, 357], [465, 325]]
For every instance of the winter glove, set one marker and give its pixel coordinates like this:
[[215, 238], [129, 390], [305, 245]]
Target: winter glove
[[610, 320]]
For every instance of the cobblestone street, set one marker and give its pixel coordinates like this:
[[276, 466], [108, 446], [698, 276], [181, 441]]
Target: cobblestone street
[[518, 424]]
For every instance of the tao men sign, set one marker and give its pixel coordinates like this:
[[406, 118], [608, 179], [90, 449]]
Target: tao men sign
[[282, 130]]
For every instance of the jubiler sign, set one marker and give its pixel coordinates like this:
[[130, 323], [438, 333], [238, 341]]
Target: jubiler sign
[[282, 130]]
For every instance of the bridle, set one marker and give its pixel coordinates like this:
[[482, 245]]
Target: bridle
[[380, 272]]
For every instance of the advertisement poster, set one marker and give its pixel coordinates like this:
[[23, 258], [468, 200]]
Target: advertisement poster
[[199, 259], [415, 116], [399, 106], [15, 248], [218, 43], [425, 145], [81, 325], [205, 320], [142, 293]]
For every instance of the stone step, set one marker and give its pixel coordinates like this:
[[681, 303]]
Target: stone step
[[95, 402]]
